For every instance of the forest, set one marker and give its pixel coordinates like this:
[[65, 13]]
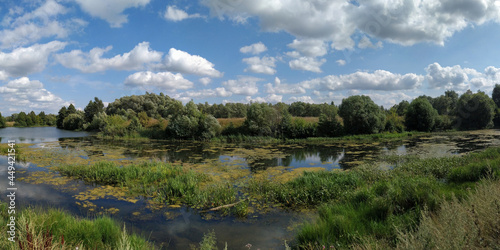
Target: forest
[[162, 117]]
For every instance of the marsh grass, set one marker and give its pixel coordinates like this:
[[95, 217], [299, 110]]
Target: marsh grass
[[366, 202], [56, 229], [163, 182]]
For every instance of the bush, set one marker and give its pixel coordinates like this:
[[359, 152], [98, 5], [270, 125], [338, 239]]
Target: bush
[[420, 115], [361, 115], [73, 122]]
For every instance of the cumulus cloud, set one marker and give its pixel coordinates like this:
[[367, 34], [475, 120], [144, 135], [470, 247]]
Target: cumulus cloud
[[23, 94], [205, 80], [306, 99], [172, 13], [110, 10], [281, 88], [307, 63], [267, 99], [93, 61], [378, 80], [25, 28], [366, 43], [25, 61], [310, 47], [255, 48], [244, 85], [204, 93], [459, 78], [399, 21], [183, 62], [264, 65], [161, 80], [341, 62]]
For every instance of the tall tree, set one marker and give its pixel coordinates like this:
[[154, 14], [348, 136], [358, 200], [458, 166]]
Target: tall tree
[[2, 121], [475, 111], [93, 108], [361, 115], [420, 115], [63, 113], [496, 95]]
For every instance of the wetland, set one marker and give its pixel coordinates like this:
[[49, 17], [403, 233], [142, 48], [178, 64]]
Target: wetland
[[174, 192]]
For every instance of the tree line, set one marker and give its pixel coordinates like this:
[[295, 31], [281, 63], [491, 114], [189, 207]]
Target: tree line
[[160, 116], [31, 119]]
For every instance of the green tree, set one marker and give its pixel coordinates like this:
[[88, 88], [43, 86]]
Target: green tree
[[475, 111], [3, 123], [92, 109], [402, 107], [496, 95], [63, 113], [259, 121], [71, 109], [420, 115], [361, 115], [73, 122], [328, 124], [21, 120]]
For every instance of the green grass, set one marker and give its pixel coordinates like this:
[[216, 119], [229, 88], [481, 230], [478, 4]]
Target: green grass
[[56, 229], [163, 182], [369, 203]]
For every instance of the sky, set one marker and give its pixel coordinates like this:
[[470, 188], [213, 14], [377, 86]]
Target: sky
[[57, 52]]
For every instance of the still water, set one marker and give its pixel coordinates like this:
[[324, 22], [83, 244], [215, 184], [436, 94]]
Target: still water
[[178, 227]]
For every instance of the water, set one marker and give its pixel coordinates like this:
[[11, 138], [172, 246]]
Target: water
[[37, 134], [179, 227]]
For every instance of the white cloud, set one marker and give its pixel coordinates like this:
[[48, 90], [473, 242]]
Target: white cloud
[[310, 47], [24, 94], [390, 99], [183, 62], [267, 99], [341, 62], [307, 63], [255, 48], [32, 26], [306, 99], [282, 88], [205, 80], [93, 61], [399, 21], [264, 65], [459, 78], [25, 61], [110, 10], [378, 80], [162, 80], [204, 93], [244, 85], [366, 43], [172, 13]]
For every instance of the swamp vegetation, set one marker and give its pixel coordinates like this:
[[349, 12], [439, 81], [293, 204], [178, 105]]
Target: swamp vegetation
[[356, 198]]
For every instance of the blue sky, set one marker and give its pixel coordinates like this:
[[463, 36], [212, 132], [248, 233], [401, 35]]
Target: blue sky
[[53, 53]]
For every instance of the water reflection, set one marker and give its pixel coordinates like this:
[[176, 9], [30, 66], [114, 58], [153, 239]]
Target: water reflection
[[37, 134]]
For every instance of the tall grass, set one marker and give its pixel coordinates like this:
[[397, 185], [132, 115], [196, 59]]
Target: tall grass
[[369, 203], [163, 182], [56, 229]]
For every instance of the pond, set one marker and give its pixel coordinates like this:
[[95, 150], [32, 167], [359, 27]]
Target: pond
[[37, 134], [178, 226]]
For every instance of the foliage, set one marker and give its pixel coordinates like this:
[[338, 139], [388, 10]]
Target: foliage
[[190, 123], [328, 125], [93, 108], [475, 111], [496, 95], [394, 122], [261, 120], [361, 115], [420, 116], [2, 121], [73, 121], [154, 105]]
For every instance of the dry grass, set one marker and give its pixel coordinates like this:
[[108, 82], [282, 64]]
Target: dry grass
[[237, 122], [470, 224], [10, 124]]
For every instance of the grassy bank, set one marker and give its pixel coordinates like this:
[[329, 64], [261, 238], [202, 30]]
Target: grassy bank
[[54, 229], [367, 202]]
